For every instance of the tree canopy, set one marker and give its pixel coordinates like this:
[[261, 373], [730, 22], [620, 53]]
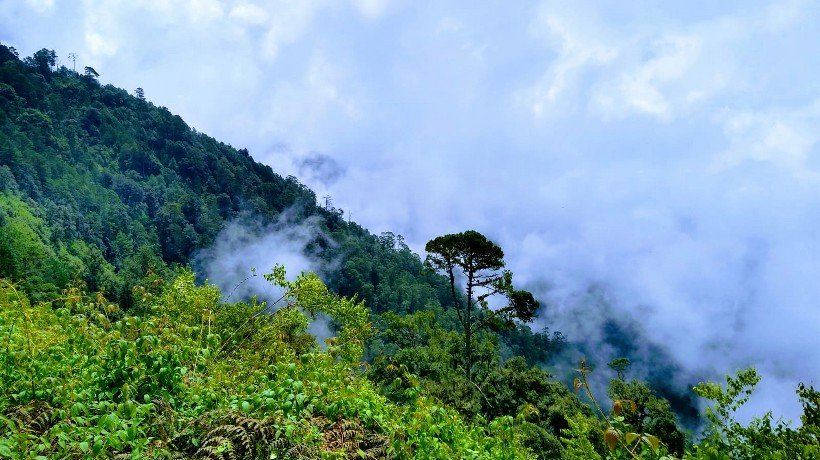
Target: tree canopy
[[471, 256]]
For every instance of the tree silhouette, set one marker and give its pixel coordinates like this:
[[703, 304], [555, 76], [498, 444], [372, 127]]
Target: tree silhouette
[[43, 60], [90, 72], [470, 255]]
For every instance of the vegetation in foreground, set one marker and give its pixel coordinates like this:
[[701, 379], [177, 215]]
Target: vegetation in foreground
[[182, 375], [192, 378]]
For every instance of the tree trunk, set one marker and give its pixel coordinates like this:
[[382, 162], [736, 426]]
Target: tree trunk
[[468, 329]]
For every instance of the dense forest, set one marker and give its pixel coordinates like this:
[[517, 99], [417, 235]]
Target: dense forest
[[113, 347]]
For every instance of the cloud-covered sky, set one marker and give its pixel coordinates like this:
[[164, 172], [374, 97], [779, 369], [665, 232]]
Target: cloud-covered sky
[[667, 151]]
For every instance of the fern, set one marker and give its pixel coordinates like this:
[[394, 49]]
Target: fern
[[302, 452], [351, 438], [164, 418], [239, 437], [36, 417]]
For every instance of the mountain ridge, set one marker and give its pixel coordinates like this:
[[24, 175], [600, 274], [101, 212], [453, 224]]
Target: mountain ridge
[[159, 183]]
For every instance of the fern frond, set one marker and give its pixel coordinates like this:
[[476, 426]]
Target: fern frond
[[238, 436], [36, 417], [302, 452]]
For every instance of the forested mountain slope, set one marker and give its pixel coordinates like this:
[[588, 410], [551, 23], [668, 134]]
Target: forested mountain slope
[[122, 185], [109, 348]]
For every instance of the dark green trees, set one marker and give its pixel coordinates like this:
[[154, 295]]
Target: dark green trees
[[480, 262], [44, 61], [90, 72], [122, 186], [648, 413]]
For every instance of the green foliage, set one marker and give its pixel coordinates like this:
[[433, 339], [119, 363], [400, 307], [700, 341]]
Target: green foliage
[[647, 413], [726, 438], [620, 366], [632, 429], [127, 187], [351, 316], [416, 350], [471, 256], [82, 379], [530, 394], [536, 347], [26, 252], [578, 439], [416, 353], [622, 430], [109, 350]]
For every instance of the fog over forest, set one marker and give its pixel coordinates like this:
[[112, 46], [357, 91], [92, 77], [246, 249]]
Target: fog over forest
[[647, 165]]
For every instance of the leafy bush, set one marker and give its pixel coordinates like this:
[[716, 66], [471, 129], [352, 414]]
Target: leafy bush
[[82, 380]]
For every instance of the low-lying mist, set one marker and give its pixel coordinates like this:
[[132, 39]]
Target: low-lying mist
[[706, 324], [599, 333], [248, 248]]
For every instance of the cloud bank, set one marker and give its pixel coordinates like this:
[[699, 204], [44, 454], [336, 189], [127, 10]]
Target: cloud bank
[[665, 154]]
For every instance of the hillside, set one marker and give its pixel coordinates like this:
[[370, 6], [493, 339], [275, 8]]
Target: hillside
[[121, 185], [113, 349]]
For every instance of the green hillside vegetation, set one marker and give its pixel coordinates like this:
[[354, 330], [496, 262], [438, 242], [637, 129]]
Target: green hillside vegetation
[[192, 378], [109, 348]]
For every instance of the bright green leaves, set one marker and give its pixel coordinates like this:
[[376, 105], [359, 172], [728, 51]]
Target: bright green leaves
[[737, 392], [154, 386], [576, 438], [722, 430], [23, 251], [187, 303], [308, 293], [631, 430], [761, 438], [645, 412]]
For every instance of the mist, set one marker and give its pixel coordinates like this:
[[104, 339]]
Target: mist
[[249, 247], [716, 287], [648, 168]]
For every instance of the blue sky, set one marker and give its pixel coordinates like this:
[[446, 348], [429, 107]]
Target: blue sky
[[665, 150]]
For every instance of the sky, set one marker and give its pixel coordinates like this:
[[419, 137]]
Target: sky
[[664, 152]]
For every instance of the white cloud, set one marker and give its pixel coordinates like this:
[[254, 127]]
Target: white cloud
[[289, 21], [371, 9], [111, 25], [99, 45], [249, 13], [643, 88], [204, 11], [782, 138], [671, 73], [580, 43], [41, 6], [449, 25], [781, 15], [191, 12], [245, 250], [657, 69], [300, 110], [103, 24]]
